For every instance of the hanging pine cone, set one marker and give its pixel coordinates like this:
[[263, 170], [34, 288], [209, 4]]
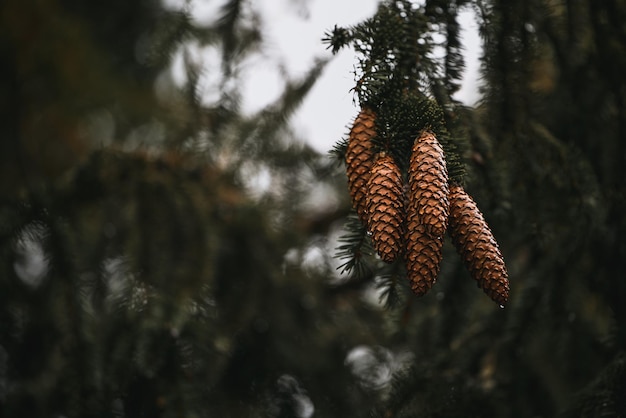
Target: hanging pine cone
[[422, 254], [385, 207], [359, 156], [428, 184], [477, 246]]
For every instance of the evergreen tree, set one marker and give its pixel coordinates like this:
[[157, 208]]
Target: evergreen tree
[[147, 268], [142, 273], [541, 155]]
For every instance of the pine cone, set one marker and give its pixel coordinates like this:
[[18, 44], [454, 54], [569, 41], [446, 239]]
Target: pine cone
[[359, 159], [385, 208], [422, 255], [477, 246], [428, 184]]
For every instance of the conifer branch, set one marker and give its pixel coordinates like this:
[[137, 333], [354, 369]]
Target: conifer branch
[[354, 248]]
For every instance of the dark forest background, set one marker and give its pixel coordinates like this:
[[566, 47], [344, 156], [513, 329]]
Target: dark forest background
[[145, 271]]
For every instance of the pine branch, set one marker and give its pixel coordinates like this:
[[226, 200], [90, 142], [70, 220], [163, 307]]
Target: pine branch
[[603, 397], [389, 286], [354, 248], [226, 25], [278, 113], [255, 132], [397, 74]]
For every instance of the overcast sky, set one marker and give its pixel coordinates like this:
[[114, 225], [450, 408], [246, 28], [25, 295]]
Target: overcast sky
[[294, 29]]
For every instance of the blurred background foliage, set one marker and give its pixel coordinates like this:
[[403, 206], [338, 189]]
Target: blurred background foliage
[[163, 254]]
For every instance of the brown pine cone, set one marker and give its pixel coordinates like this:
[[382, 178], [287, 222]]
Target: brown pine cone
[[385, 208], [359, 159], [477, 246], [428, 184], [422, 254]]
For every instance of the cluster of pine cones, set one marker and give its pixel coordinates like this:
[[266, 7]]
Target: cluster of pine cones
[[410, 219]]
